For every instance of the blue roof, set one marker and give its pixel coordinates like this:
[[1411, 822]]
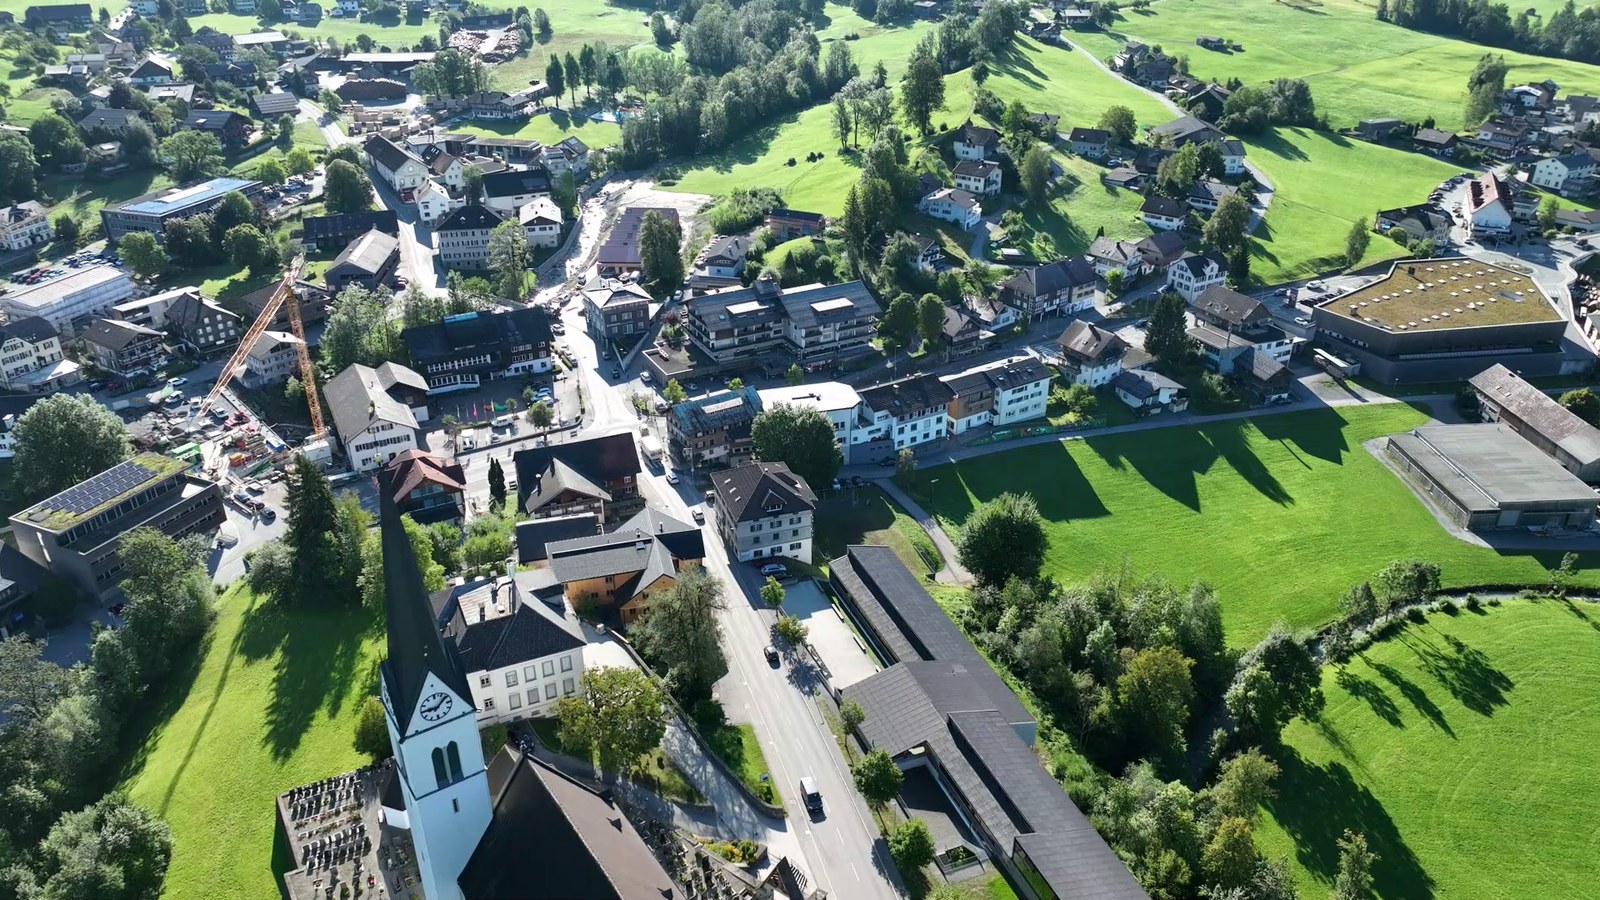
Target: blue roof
[[185, 197]]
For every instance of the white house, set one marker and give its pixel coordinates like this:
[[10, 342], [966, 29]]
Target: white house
[[908, 412], [541, 221], [24, 225], [1001, 393], [520, 644], [1489, 204], [434, 202], [953, 205], [979, 177], [1149, 392], [155, 69], [1570, 174], [1090, 355], [840, 403], [1163, 213], [402, 169], [1107, 256], [30, 356], [272, 359], [145, 7], [372, 425], [1191, 275], [762, 509], [722, 259], [977, 143]]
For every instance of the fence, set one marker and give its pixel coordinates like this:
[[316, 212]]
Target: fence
[[1012, 434]]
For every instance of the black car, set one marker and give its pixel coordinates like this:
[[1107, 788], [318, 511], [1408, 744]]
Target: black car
[[886, 462]]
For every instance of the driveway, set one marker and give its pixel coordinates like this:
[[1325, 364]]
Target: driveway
[[831, 637]]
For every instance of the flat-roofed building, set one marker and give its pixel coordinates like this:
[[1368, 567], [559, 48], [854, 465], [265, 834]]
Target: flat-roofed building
[[69, 301], [1504, 397], [714, 430], [1487, 477], [76, 533], [1446, 319], [152, 211]]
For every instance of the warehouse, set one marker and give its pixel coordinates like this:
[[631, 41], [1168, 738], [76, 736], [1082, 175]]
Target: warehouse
[[1486, 477]]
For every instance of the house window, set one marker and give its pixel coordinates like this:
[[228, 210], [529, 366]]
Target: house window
[[514, 701], [566, 664], [484, 680], [550, 691], [549, 668], [511, 678], [568, 688], [533, 696], [488, 703], [530, 673]]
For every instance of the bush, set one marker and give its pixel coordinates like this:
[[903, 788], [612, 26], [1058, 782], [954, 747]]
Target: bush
[[1417, 615], [1473, 602]]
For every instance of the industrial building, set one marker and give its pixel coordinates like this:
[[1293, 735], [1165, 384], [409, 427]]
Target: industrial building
[[70, 300], [152, 211], [1505, 398], [1485, 477], [1447, 319]]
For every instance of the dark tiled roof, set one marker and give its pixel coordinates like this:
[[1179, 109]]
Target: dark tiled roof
[[511, 183], [534, 534], [213, 119], [1162, 206], [471, 217], [760, 490], [722, 409], [1089, 136], [909, 396], [387, 153], [477, 332], [1049, 278], [344, 225], [276, 103], [1541, 414], [530, 631], [1197, 263], [1090, 343], [978, 135], [32, 329], [1230, 306], [106, 117], [117, 335], [600, 459]]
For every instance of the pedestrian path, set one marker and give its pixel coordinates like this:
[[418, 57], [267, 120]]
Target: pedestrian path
[[952, 572]]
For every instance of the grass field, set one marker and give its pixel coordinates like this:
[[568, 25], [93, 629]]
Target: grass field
[[1316, 175], [550, 129], [271, 706], [1280, 514], [1357, 66], [867, 516], [1462, 748], [1080, 208]]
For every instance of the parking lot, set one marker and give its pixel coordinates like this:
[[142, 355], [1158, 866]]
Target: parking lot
[[830, 636]]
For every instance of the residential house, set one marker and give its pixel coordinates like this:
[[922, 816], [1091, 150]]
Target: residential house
[[150, 311], [520, 647], [626, 569], [1582, 221], [121, 347], [369, 261], [1570, 174], [115, 121], [427, 488], [1488, 205], [23, 225], [1093, 143], [975, 142], [991, 313], [962, 334], [1244, 320], [1206, 193], [979, 177], [272, 359], [508, 191], [401, 168], [853, 429], [812, 324], [202, 324], [616, 310], [180, 91], [76, 534], [307, 12], [1141, 64], [1582, 110], [229, 127], [1125, 177], [999, 394], [243, 74], [1090, 355], [269, 105], [1193, 130], [541, 222], [910, 411], [1378, 129], [1107, 256], [94, 62], [1192, 275], [323, 233], [60, 16], [1062, 288], [108, 153], [788, 224], [434, 202], [1435, 141], [1163, 213], [619, 254], [1503, 137], [764, 510], [953, 205], [444, 168], [462, 237], [30, 356], [463, 351], [567, 155], [722, 261], [929, 253], [374, 423], [1160, 250], [242, 7], [1045, 124], [598, 475], [1148, 392], [714, 430], [534, 534], [1207, 101], [1419, 222]]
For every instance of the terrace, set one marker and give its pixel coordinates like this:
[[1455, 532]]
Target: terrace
[[1423, 295]]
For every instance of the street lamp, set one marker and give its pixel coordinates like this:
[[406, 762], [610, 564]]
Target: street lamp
[[931, 483]]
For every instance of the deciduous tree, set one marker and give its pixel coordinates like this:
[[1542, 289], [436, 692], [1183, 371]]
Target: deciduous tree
[[63, 440], [1355, 243], [877, 778], [1035, 173], [659, 243], [800, 437], [1582, 403], [140, 252], [1227, 227], [1119, 121], [192, 154], [911, 845], [372, 731], [1004, 539], [930, 319], [508, 259], [346, 188], [621, 715], [681, 636]]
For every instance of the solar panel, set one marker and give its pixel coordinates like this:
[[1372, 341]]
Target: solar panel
[[113, 482]]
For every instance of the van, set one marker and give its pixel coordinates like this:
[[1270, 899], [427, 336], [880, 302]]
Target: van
[[810, 794]]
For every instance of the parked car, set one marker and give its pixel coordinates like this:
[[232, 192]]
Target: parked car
[[775, 570], [672, 477], [699, 516], [179, 381]]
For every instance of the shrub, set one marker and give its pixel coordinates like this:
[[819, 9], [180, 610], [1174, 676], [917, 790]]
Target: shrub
[[1473, 603], [1416, 614], [1493, 601]]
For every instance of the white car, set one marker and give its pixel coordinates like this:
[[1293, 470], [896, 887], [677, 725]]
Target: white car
[[672, 477]]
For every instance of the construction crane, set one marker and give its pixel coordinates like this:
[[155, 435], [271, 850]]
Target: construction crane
[[284, 295]]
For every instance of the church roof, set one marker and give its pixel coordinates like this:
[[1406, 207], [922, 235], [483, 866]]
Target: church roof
[[416, 649]]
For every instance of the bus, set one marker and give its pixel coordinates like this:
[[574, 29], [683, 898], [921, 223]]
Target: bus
[[1335, 366]]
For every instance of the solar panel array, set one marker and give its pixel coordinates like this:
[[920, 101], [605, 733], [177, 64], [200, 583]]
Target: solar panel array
[[113, 482]]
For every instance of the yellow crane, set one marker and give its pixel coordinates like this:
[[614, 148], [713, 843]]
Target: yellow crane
[[283, 296]]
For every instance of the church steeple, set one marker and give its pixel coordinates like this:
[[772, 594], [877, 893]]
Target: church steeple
[[416, 648]]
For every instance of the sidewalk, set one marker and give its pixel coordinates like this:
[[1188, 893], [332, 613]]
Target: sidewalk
[[952, 573]]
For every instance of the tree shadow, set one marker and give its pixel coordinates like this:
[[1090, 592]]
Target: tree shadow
[[143, 734], [1168, 462], [1315, 804], [1272, 142], [1229, 440], [1415, 695], [1464, 670], [1318, 433], [317, 654], [1372, 694]]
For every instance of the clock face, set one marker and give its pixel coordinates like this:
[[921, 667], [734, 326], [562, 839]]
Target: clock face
[[436, 706]]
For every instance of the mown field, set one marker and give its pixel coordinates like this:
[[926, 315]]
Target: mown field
[[1317, 175], [1357, 66], [1281, 514], [1462, 749], [272, 705]]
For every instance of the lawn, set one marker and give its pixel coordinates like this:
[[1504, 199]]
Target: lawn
[[550, 129], [1314, 174], [736, 744], [1357, 66], [1280, 514], [1462, 748], [866, 515], [272, 706], [85, 195], [1080, 206]]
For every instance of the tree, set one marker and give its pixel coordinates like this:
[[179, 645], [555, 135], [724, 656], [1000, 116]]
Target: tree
[[370, 582], [1114, 280], [574, 76], [1035, 173], [508, 259], [555, 78], [851, 715], [192, 154], [1153, 697], [681, 637], [1238, 261], [792, 630], [312, 523], [1359, 605], [497, 484], [660, 32], [271, 571], [1166, 336], [1120, 122], [877, 778], [930, 319], [905, 466], [249, 249], [63, 440], [1582, 403], [541, 25], [674, 393], [140, 252], [540, 415], [800, 437], [1228, 226], [55, 141], [29, 684], [346, 188], [1354, 881], [621, 715], [112, 849], [67, 231], [359, 330], [1245, 783], [659, 240], [1406, 581], [299, 161], [1177, 173], [1276, 680], [1484, 87], [843, 122], [488, 539], [1355, 243], [772, 593], [271, 172], [794, 376], [372, 732], [922, 85], [17, 167], [1230, 858], [911, 845], [1548, 207], [1004, 539], [899, 321]]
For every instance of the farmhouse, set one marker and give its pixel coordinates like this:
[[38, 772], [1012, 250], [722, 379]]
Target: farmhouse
[[1505, 397], [1194, 274], [1486, 477], [1093, 143], [977, 143], [1377, 129], [1061, 288]]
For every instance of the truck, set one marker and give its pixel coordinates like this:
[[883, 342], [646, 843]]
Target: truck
[[651, 447]]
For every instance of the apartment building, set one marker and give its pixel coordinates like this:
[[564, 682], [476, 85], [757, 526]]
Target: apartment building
[[763, 509], [814, 323]]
